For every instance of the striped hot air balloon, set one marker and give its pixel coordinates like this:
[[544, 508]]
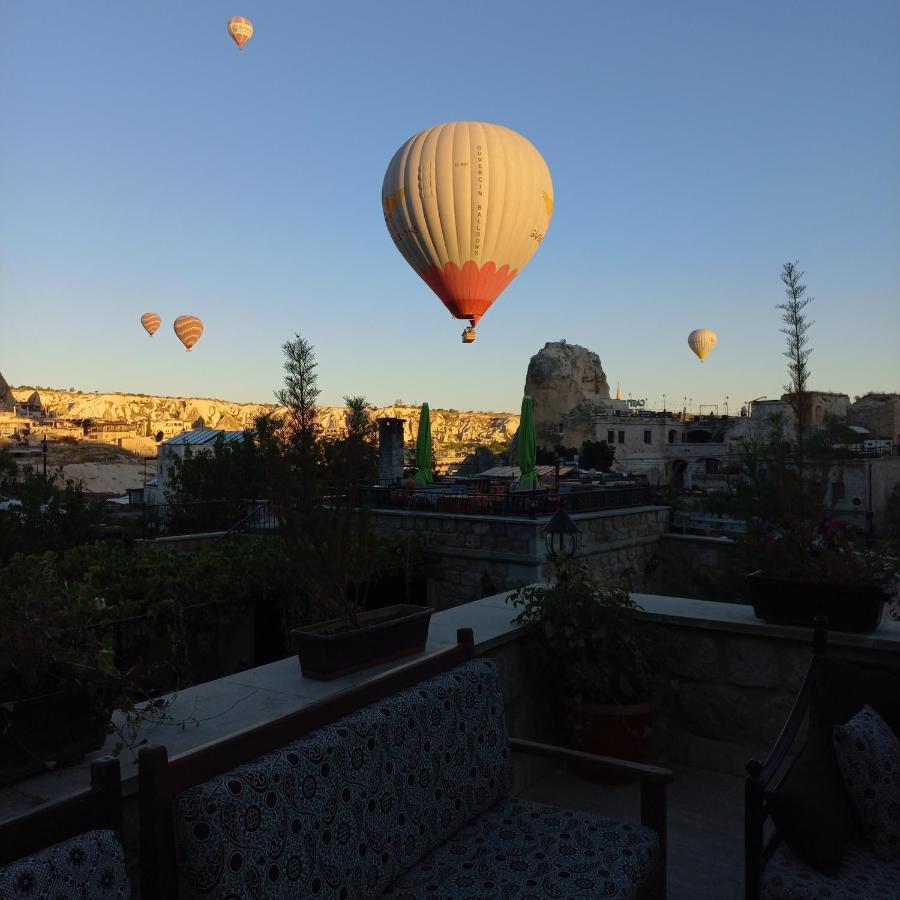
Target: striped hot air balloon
[[467, 204], [151, 322], [701, 341], [241, 30], [188, 330]]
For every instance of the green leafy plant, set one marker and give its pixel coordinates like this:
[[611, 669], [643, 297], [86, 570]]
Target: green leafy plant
[[588, 637]]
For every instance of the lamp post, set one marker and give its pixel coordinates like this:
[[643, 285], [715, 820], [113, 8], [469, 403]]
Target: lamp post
[[562, 537]]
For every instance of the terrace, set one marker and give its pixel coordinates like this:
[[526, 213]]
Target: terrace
[[730, 681]]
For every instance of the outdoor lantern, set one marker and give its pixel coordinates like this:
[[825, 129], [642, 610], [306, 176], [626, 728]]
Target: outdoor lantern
[[562, 536]]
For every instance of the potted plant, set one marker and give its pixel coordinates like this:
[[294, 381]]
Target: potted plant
[[59, 684], [590, 640], [807, 571], [55, 694], [320, 488], [806, 562]]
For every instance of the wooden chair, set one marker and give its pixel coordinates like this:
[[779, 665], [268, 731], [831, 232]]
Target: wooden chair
[[97, 808], [761, 838]]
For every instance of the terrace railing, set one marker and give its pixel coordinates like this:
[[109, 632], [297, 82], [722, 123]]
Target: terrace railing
[[230, 517], [206, 516], [516, 503]]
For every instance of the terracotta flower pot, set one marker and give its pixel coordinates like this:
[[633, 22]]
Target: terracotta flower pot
[[331, 649], [619, 731]]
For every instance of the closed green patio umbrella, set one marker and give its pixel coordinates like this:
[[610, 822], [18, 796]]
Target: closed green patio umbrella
[[528, 480], [423, 447]]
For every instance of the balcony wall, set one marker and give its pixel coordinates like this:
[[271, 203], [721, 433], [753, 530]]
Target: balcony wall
[[478, 555]]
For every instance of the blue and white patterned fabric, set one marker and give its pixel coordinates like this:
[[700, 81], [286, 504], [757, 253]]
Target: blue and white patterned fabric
[[529, 851], [862, 876], [344, 811], [88, 867], [868, 754]]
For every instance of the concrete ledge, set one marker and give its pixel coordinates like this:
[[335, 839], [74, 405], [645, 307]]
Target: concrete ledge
[[214, 710], [739, 618]]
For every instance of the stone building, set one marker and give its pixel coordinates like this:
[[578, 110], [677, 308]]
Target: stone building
[[668, 448], [879, 414], [820, 405], [200, 441]]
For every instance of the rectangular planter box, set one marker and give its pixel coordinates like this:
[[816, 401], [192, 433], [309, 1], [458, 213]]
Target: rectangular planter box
[[847, 607], [55, 729], [332, 649]]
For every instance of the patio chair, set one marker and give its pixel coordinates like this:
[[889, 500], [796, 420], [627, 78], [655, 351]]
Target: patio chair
[[802, 840], [71, 847]]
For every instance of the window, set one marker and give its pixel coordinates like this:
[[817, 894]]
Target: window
[[837, 491], [621, 437], [610, 437], [648, 438]]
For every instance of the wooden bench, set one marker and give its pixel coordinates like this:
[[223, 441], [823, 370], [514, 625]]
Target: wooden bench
[[397, 788], [72, 847]]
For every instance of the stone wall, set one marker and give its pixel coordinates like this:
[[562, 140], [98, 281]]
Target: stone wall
[[724, 696], [473, 556], [708, 568]]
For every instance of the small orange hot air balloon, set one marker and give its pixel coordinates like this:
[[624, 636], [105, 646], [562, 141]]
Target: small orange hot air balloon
[[241, 30], [188, 330], [151, 323]]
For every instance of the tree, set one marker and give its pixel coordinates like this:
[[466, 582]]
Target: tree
[[597, 455], [796, 328], [325, 520]]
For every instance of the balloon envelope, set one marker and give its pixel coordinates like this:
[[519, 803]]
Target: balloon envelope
[[701, 341], [467, 205], [241, 30], [188, 330], [151, 322]]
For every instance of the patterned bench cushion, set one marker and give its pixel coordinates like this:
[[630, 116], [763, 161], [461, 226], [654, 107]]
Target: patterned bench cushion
[[862, 876], [343, 811], [88, 867], [529, 851]]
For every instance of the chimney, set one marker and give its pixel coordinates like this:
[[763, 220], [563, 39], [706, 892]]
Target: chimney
[[390, 450]]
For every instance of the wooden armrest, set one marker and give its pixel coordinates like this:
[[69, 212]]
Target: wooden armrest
[[602, 764]]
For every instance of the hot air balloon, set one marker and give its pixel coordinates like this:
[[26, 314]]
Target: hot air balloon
[[701, 341], [241, 30], [151, 323], [467, 204], [188, 330]]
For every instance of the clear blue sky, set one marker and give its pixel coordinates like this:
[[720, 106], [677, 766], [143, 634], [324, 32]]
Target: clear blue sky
[[146, 164]]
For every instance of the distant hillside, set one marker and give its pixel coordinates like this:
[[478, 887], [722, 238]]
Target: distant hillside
[[453, 432]]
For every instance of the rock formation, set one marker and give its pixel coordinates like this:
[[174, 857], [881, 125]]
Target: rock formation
[[568, 385], [7, 401], [454, 433]]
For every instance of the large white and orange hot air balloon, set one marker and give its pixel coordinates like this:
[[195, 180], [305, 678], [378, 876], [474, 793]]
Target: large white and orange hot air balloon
[[241, 30], [188, 330], [151, 322], [467, 204], [701, 341]]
